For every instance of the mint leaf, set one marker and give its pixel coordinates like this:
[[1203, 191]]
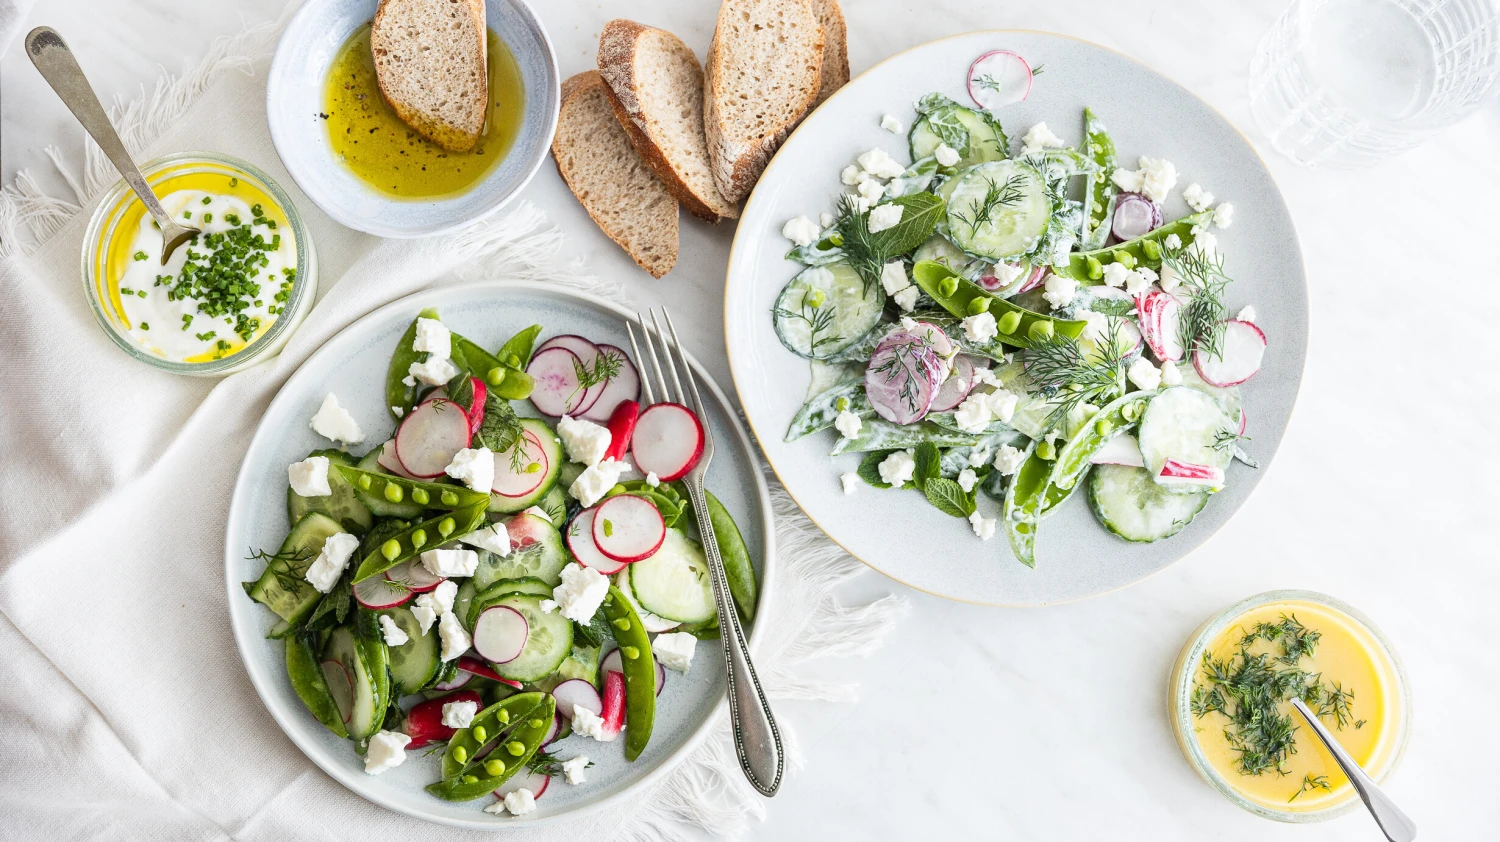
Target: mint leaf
[[948, 497], [920, 214], [500, 427], [869, 468], [928, 460]]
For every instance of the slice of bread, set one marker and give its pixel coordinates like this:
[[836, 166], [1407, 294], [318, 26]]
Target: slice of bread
[[656, 87], [596, 159], [431, 65], [835, 47], [763, 72]]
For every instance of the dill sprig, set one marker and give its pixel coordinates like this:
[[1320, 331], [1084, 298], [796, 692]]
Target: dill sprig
[[1069, 374], [902, 363], [606, 366], [1226, 439], [996, 196], [819, 320], [293, 567], [1311, 782], [1204, 317], [861, 250], [548, 764]]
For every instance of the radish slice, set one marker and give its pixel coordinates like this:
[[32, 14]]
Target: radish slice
[[941, 344], [431, 436], [387, 459], [902, 379], [667, 441], [533, 466], [1244, 346], [552, 731], [535, 781], [424, 722], [576, 692], [624, 386], [480, 668], [1124, 449], [1160, 316], [341, 687], [500, 634], [377, 592], [622, 428], [588, 357], [1033, 280], [614, 702], [1135, 215], [999, 77], [1243, 421], [581, 544], [411, 575], [1174, 472], [458, 680], [612, 663], [956, 387], [476, 409], [557, 391], [628, 528]]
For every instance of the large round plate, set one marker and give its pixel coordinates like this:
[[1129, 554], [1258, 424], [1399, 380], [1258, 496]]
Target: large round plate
[[352, 365], [898, 533]]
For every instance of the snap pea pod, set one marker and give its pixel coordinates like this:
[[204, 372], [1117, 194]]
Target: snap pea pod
[[1099, 189], [639, 670], [1073, 461], [520, 346], [1145, 250], [369, 643], [822, 409], [1023, 501], [428, 495], [880, 434], [738, 570], [398, 395], [962, 297], [509, 382], [409, 542], [512, 730], [306, 674]]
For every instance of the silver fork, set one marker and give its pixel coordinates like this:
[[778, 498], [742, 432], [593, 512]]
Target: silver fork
[[757, 740]]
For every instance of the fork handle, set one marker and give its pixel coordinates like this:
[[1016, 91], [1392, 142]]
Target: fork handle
[[757, 740]]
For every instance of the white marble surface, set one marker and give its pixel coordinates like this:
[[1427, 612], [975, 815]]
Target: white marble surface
[[1049, 723]]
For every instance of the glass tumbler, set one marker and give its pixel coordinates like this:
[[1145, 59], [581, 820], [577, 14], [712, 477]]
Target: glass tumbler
[[1347, 83]]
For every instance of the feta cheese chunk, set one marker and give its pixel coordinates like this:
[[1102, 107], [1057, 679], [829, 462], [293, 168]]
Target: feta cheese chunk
[[675, 650], [1003, 404], [1059, 291], [1197, 198], [1153, 177], [1139, 280], [853, 175], [891, 124], [906, 299], [494, 538], [1205, 243], [1246, 314], [983, 526], [850, 482], [433, 338], [459, 714], [967, 479], [573, 769], [898, 468], [496, 808], [879, 163], [1223, 215], [584, 441], [885, 216], [871, 191], [474, 467], [325, 571], [1170, 374], [1095, 327], [434, 371], [520, 801], [392, 633], [448, 563], [309, 478], [893, 277], [334, 423], [1172, 242], [1039, 138], [596, 481], [455, 638], [387, 750], [1115, 275], [440, 599], [538, 511], [425, 615], [398, 411], [590, 724], [582, 591], [1143, 374], [801, 231], [973, 415], [652, 479], [848, 424], [946, 155], [1008, 460], [981, 327]]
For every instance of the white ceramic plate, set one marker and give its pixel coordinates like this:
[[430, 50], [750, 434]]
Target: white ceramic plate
[[898, 533], [352, 365], [294, 98]]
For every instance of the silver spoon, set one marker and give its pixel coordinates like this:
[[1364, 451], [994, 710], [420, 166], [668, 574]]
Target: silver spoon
[[1396, 825], [55, 62]]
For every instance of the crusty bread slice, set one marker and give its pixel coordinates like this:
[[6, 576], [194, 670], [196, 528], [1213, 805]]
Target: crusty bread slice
[[656, 88], [431, 65], [596, 159], [835, 47], [763, 72]]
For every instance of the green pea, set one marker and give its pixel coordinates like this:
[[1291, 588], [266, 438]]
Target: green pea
[[630, 652], [1131, 411], [445, 527], [1040, 331], [1096, 269], [1124, 258], [448, 498], [364, 483], [533, 467], [420, 496], [617, 490], [503, 715], [948, 286], [1151, 249], [842, 404], [480, 735], [622, 624], [495, 376], [978, 304], [494, 768], [1065, 483], [513, 361], [1009, 322], [815, 298], [1104, 426], [1047, 450], [535, 723], [609, 528], [418, 537], [460, 754], [516, 747], [390, 549], [470, 779], [394, 493]]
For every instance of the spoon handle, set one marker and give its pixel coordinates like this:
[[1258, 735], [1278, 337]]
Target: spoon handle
[[1396, 825]]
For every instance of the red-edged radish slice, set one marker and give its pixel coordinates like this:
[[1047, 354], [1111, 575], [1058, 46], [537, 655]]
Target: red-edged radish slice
[[588, 357], [1244, 421], [476, 409], [622, 428], [387, 459], [341, 687], [624, 386], [458, 680], [1124, 449], [482, 669], [430, 436], [553, 730], [1135, 215], [612, 663], [575, 692], [614, 702], [1033, 280], [1160, 316], [533, 465], [1174, 472], [902, 379], [557, 391], [941, 344], [411, 575], [667, 441], [1244, 346], [537, 782], [628, 528], [956, 387], [581, 544], [424, 722], [500, 634], [377, 592], [997, 78]]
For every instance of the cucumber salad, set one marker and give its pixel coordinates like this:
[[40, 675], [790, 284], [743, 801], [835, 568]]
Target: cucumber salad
[[487, 583], [1018, 320]]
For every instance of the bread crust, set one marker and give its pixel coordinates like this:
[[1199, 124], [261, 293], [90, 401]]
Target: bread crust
[[835, 48], [452, 138]]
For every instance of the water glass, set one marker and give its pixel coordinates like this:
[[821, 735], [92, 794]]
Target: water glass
[[1347, 83]]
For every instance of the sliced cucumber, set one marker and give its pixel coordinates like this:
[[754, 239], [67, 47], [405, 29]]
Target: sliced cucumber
[[555, 504], [1185, 424], [281, 588], [463, 600], [414, 662], [582, 662], [938, 248], [674, 583], [543, 559], [977, 137], [548, 642], [552, 449], [378, 505], [342, 505], [505, 587], [570, 472], [364, 713], [1131, 505], [825, 309], [650, 622], [998, 210]]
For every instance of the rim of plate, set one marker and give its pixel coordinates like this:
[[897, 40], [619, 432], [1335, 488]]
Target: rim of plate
[[749, 202], [243, 642]]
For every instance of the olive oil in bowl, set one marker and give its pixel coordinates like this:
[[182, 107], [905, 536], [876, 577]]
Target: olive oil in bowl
[[389, 155]]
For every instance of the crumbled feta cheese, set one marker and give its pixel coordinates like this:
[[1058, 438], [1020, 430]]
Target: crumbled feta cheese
[[983, 526], [1059, 291], [800, 230], [334, 423], [1204, 242], [973, 415], [848, 424], [871, 191], [1169, 279], [1038, 138], [908, 323], [879, 163], [1003, 403], [1143, 374], [978, 456], [474, 468], [981, 327], [590, 724], [425, 615], [946, 155], [652, 479], [573, 769], [439, 600], [891, 124], [967, 479], [455, 638], [519, 802], [387, 750], [433, 338], [1127, 180], [309, 478], [325, 571], [581, 592], [893, 277], [853, 175], [459, 714], [495, 538], [1153, 177], [434, 371], [986, 377], [906, 299], [409, 381], [392, 633], [496, 808], [1008, 460], [826, 219], [1115, 275], [1138, 281], [585, 441], [447, 563], [898, 468], [1172, 242], [1246, 314], [538, 511], [675, 651], [597, 480], [1223, 215], [1170, 374], [850, 482], [398, 411], [885, 216], [1095, 327], [1197, 198]]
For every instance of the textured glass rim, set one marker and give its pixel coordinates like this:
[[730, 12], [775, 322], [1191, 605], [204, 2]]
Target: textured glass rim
[[271, 338], [1181, 682]]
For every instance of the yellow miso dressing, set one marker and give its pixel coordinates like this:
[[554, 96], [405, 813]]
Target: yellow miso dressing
[[390, 156]]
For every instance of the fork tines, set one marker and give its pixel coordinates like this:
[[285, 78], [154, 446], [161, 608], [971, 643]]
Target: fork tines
[[661, 368]]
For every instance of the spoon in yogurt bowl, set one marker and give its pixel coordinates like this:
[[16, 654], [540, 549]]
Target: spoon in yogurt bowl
[[56, 63]]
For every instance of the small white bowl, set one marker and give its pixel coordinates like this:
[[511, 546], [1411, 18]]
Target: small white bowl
[[294, 98]]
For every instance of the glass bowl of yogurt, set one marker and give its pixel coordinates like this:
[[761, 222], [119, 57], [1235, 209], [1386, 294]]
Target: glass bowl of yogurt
[[226, 300]]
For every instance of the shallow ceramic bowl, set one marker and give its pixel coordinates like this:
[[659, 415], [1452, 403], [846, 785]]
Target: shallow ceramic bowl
[[898, 532], [294, 98]]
